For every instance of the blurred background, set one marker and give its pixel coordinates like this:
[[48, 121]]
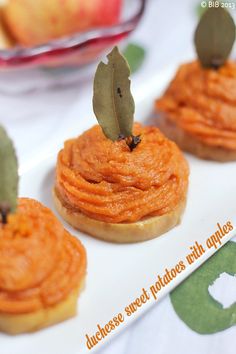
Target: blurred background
[[36, 99]]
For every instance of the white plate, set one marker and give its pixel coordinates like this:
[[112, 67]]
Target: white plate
[[117, 273]]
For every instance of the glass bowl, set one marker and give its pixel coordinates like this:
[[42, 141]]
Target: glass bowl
[[78, 49]]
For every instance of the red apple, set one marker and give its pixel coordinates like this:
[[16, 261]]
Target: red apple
[[34, 22], [5, 38]]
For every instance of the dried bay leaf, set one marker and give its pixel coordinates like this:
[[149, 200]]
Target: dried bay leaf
[[135, 55], [8, 175], [214, 37], [113, 102]]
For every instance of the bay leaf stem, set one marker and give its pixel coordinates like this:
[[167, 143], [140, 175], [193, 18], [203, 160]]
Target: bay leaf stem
[[133, 141], [4, 211]]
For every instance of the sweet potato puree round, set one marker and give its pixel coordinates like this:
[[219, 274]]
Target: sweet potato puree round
[[40, 262], [106, 181], [203, 103]]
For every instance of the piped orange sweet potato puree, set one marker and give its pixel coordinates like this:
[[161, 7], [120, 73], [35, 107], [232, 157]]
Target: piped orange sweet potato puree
[[40, 262], [203, 103], [106, 181]]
